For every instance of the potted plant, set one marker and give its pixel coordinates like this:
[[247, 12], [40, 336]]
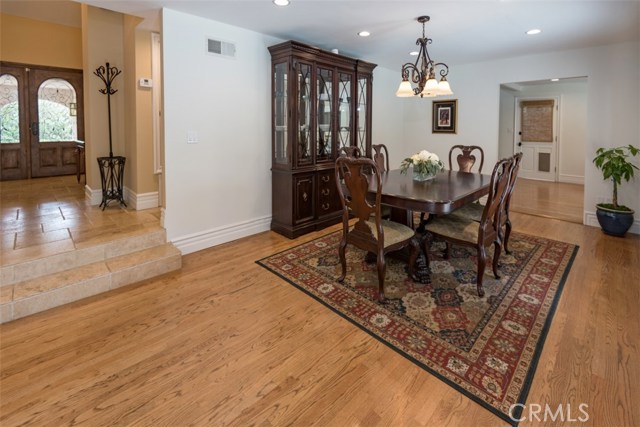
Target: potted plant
[[615, 219]]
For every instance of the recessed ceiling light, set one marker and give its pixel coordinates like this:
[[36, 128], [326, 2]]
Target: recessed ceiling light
[[414, 53], [555, 80], [281, 2], [364, 33], [534, 31]]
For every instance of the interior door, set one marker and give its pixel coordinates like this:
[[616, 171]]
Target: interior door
[[536, 138], [14, 140], [56, 120]]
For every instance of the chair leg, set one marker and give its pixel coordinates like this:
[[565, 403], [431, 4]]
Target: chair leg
[[497, 247], [343, 259], [382, 269], [482, 262], [447, 251], [415, 248], [507, 233]]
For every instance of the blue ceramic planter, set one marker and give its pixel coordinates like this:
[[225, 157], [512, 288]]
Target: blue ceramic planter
[[614, 223]]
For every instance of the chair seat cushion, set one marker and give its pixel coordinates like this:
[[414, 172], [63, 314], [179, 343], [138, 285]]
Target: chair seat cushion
[[473, 211], [393, 232], [455, 226]]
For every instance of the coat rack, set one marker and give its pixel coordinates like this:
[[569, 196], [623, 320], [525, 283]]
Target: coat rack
[[112, 167]]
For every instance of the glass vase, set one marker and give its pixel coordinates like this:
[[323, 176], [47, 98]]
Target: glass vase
[[422, 176]]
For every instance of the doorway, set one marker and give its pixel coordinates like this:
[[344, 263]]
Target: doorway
[[560, 197], [41, 120]]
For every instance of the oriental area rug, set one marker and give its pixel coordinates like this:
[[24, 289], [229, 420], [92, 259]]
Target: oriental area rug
[[486, 348]]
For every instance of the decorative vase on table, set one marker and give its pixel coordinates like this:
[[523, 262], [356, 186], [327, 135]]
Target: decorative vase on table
[[425, 165], [422, 175]]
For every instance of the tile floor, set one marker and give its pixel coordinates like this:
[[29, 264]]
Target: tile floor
[[47, 216]]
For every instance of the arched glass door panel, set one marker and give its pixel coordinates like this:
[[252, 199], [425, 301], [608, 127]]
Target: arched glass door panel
[[57, 111], [9, 110]]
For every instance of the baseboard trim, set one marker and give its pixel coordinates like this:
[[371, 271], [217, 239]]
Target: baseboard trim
[[140, 201], [571, 179], [591, 219], [133, 200], [94, 196], [217, 236]]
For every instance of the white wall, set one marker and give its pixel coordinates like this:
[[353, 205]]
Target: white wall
[[387, 126], [506, 122], [220, 188], [612, 113]]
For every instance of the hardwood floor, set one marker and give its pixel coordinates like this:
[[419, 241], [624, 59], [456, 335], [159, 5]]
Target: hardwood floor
[[225, 342], [549, 199]]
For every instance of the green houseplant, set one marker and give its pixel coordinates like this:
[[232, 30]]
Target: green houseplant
[[615, 219]]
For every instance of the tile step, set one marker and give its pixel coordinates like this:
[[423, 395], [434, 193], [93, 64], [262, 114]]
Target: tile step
[[35, 295], [69, 258]]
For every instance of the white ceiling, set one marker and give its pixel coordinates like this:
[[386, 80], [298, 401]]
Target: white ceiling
[[462, 31]]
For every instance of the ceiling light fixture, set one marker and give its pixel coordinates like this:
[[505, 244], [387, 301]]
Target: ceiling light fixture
[[364, 33], [534, 31], [555, 80], [423, 72], [281, 2]]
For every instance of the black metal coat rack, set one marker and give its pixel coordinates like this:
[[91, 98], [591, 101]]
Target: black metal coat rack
[[112, 167]]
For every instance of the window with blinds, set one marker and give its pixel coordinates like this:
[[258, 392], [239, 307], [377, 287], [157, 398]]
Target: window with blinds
[[536, 120]]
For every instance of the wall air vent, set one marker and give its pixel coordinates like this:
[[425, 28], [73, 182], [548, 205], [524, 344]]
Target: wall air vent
[[221, 48]]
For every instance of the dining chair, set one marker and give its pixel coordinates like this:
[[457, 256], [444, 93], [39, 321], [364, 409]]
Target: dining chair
[[474, 210], [458, 229], [381, 157], [466, 160], [370, 232]]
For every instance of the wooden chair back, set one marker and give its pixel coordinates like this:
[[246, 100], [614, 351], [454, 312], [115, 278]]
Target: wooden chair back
[[490, 220], [381, 157], [517, 159], [466, 159], [357, 175], [350, 151]]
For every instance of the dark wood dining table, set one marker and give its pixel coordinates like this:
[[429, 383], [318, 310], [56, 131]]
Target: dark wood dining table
[[445, 193]]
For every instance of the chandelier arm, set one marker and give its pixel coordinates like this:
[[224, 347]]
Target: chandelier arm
[[415, 72], [443, 72]]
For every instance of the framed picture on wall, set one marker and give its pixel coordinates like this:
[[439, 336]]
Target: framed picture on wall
[[445, 116]]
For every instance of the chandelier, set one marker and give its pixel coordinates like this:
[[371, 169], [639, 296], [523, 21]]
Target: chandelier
[[423, 72]]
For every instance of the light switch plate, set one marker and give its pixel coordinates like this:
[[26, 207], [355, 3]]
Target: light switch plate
[[192, 137]]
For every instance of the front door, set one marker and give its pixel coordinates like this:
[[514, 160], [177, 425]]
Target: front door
[[42, 118], [536, 138]]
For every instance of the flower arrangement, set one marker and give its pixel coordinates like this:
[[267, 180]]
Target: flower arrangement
[[425, 165]]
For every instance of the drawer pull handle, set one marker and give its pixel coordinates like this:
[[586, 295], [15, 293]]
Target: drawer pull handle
[[325, 191], [325, 206], [305, 196], [325, 178]]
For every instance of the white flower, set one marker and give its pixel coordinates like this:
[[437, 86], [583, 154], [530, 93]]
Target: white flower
[[433, 157], [424, 155]]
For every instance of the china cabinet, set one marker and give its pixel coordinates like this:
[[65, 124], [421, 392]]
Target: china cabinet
[[321, 102]]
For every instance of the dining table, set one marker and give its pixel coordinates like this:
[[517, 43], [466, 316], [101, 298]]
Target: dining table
[[441, 195]]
